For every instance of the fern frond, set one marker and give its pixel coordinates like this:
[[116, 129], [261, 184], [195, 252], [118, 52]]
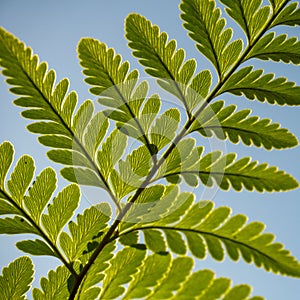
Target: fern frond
[[227, 171], [16, 278], [55, 286], [206, 228], [90, 225], [160, 56], [249, 14], [117, 87], [276, 48], [43, 100], [289, 16], [27, 204], [203, 21], [254, 85], [226, 122]]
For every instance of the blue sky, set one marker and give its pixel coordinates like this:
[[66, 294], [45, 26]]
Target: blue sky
[[53, 29]]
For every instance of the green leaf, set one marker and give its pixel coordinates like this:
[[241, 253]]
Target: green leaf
[[88, 290], [20, 178], [56, 141], [43, 100], [203, 20], [242, 173], [249, 15], [55, 286], [16, 278], [122, 267], [89, 225], [198, 89], [159, 55], [61, 211], [212, 230], [276, 48], [40, 193], [82, 118], [173, 279], [118, 88], [6, 158], [164, 129], [95, 133], [131, 171], [111, 151], [289, 16], [6, 208], [147, 201], [149, 275], [101, 66], [82, 176], [226, 122], [154, 240], [255, 85], [69, 158], [35, 247], [16, 225]]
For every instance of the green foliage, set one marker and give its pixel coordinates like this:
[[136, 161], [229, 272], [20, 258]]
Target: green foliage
[[140, 250], [207, 28], [226, 122], [255, 85], [16, 279], [209, 229]]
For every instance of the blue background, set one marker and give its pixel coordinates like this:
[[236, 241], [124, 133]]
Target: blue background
[[53, 29]]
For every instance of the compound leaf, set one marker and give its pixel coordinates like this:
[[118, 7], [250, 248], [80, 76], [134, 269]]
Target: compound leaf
[[213, 230], [289, 16], [254, 85], [43, 100], [249, 14], [276, 48], [239, 174], [159, 56], [203, 20], [226, 122], [16, 278]]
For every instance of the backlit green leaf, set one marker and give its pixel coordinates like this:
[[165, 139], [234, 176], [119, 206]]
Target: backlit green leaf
[[254, 85], [16, 278]]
